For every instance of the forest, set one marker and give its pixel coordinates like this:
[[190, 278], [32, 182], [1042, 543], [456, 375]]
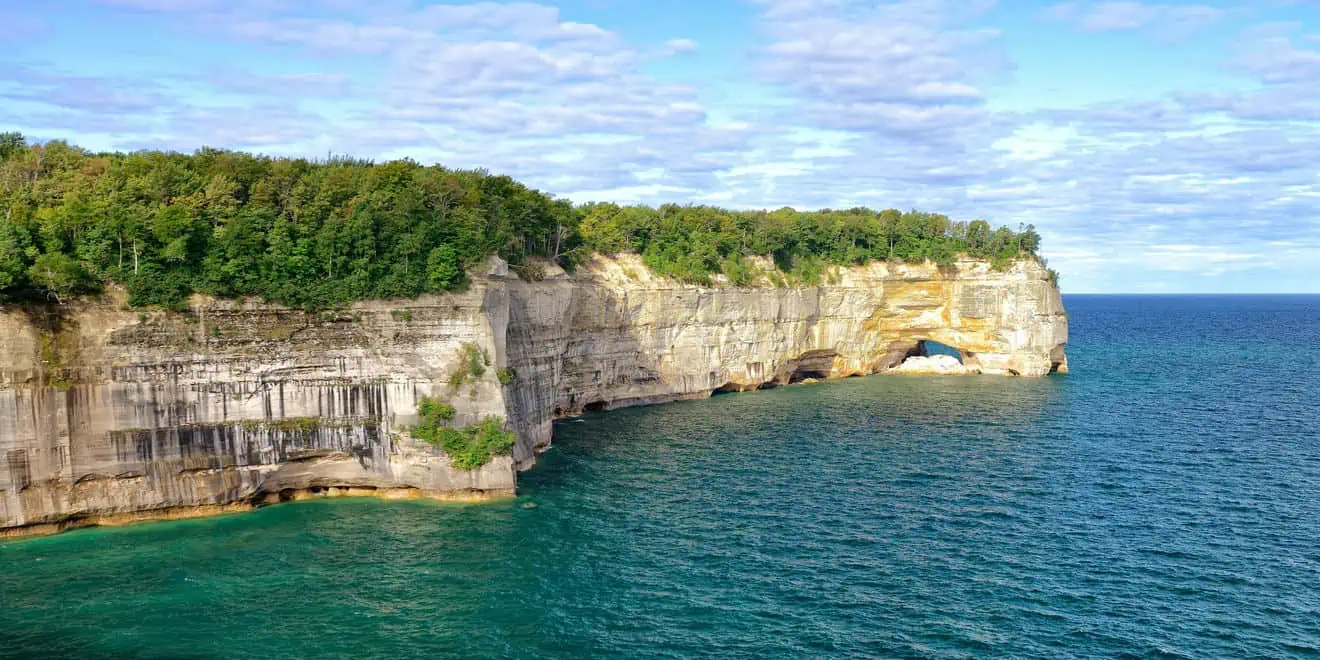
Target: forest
[[320, 234]]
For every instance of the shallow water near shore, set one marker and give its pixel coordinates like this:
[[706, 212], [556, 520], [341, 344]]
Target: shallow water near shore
[[1163, 500]]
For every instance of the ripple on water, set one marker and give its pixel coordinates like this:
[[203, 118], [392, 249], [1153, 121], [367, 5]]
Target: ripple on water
[[1126, 510]]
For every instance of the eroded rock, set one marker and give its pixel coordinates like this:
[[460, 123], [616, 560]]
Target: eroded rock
[[115, 414]]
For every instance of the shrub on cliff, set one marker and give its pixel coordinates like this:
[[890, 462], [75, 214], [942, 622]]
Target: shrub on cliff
[[435, 411], [474, 446], [468, 448], [739, 272], [472, 363]]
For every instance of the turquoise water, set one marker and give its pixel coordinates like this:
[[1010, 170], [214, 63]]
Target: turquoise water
[[1161, 501]]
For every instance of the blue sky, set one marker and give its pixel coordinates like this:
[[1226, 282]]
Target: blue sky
[[1158, 146]]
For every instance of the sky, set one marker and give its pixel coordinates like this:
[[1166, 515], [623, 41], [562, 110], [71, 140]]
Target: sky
[[1157, 146]]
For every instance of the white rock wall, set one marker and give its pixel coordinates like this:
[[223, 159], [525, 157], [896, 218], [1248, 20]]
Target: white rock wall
[[108, 411]]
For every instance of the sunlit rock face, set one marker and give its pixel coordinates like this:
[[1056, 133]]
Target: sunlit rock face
[[108, 413], [613, 334]]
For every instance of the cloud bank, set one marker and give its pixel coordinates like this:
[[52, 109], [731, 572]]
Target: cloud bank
[[833, 103]]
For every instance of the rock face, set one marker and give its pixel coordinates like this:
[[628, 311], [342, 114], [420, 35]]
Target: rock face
[[108, 414]]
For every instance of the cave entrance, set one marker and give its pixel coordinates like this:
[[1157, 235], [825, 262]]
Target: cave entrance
[[1058, 361], [809, 374], [813, 365]]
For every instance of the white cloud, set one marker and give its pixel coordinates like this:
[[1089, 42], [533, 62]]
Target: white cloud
[[845, 102], [910, 65], [1168, 20], [681, 46]]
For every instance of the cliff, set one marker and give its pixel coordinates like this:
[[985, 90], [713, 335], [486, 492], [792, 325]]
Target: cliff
[[109, 414]]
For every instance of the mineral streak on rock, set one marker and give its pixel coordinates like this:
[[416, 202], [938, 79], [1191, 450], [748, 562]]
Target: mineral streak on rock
[[110, 415]]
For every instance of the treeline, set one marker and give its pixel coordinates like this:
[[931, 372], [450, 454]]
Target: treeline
[[324, 233], [693, 243]]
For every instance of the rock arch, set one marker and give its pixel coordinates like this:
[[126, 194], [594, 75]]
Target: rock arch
[[928, 355]]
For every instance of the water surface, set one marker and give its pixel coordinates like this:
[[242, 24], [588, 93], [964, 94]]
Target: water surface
[[1161, 501]]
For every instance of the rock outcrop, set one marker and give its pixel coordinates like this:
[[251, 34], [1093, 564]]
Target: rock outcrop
[[109, 414], [934, 365]]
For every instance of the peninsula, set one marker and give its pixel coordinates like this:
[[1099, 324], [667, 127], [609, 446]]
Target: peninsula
[[182, 335]]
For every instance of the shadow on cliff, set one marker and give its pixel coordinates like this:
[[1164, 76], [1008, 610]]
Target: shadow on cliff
[[573, 354], [56, 345]]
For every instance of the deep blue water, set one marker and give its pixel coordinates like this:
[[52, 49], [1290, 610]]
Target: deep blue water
[[1163, 500]]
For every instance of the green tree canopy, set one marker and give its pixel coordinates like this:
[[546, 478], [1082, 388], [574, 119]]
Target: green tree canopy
[[57, 274], [318, 234]]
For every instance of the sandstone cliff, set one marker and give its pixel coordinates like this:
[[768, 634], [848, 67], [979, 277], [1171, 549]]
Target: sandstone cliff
[[109, 414]]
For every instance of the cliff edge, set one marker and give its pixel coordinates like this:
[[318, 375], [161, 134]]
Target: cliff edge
[[109, 414]]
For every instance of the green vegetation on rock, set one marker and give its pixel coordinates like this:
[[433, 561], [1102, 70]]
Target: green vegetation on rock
[[56, 349], [468, 448], [434, 412], [299, 425], [320, 234], [472, 363]]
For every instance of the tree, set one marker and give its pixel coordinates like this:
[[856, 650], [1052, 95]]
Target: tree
[[58, 274], [442, 269], [13, 267], [318, 234], [1030, 240], [978, 237], [11, 143]]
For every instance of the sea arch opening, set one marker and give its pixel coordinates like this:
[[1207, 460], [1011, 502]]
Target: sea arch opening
[[929, 356], [930, 348]]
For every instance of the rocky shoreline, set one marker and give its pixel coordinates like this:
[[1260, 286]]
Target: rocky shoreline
[[109, 414]]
